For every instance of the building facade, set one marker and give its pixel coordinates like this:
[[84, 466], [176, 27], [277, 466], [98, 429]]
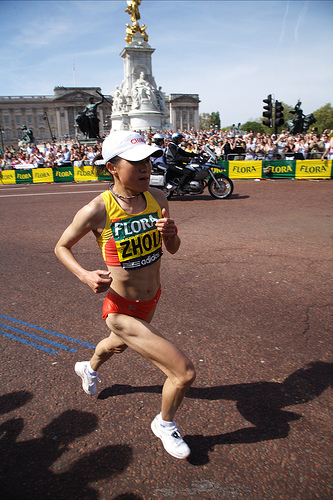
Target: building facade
[[184, 111], [52, 117]]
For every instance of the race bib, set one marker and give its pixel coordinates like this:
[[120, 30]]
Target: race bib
[[137, 240]]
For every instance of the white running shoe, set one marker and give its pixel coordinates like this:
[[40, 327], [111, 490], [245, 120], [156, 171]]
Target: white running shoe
[[88, 381], [172, 441]]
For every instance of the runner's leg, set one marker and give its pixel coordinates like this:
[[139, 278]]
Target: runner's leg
[[147, 341], [105, 349]]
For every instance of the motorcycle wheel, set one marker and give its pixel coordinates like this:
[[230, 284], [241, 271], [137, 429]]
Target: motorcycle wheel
[[168, 192], [223, 188]]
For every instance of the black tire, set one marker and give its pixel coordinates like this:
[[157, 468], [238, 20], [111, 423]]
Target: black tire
[[221, 189]]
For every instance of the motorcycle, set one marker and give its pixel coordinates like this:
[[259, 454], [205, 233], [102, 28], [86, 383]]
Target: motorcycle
[[219, 185]]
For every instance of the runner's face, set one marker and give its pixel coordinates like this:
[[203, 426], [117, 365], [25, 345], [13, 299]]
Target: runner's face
[[132, 175]]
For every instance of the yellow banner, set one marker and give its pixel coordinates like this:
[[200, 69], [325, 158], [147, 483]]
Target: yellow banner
[[313, 169], [86, 173], [245, 169], [7, 177], [42, 175]]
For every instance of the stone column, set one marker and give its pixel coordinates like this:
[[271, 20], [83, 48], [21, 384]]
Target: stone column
[[141, 103]]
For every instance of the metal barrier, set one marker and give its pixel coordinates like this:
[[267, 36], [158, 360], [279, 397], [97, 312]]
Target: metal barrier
[[315, 155], [235, 157]]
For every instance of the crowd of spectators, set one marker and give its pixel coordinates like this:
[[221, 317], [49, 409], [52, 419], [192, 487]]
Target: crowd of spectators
[[52, 155], [232, 144], [238, 145]]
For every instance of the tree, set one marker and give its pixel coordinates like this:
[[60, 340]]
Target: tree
[[204, 121], [209, 120], [255, 126], [216, 120], [324, 117]]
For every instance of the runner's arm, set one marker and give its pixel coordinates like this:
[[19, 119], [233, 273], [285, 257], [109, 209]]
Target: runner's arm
[[166, 225], [86, 219]]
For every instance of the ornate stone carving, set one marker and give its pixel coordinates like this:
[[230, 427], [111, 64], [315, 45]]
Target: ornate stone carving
[[143, 91]]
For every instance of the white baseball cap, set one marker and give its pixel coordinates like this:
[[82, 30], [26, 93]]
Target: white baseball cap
[[128, 145]]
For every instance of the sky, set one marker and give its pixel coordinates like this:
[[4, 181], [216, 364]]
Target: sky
[[232, 53]]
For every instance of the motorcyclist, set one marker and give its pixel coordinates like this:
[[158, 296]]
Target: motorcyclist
[[176, 157], [158, 140]]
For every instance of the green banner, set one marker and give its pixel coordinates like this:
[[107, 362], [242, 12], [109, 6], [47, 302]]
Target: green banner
[[105, 177], [278, 169], [24, 176], [225, 165], [63, 174]]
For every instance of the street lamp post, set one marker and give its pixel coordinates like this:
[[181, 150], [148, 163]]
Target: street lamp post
[[2, 146], [45, 117], [107, 123]]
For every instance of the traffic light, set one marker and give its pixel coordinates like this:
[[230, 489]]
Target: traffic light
[[268, 113], [278, 115]]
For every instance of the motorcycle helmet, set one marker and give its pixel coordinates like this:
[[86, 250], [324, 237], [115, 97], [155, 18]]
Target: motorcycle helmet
[[158, 139], [177, 138]]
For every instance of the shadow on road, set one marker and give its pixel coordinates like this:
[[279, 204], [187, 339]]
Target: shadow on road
[[26, 466], [13, 400], [206, 197], [260, 403]]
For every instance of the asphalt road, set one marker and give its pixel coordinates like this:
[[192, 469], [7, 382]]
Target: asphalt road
[[248, 297]]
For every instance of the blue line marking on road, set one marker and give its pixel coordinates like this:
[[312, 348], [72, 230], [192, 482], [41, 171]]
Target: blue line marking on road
[[50, 332], [24, 341], [55, 344]]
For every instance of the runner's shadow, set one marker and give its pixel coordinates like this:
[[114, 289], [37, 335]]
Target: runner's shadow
[[122, 389], [28, 468], [260, 403], [13, 400]]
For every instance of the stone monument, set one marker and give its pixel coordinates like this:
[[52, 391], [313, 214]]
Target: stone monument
[[28, 136], [138, 104]]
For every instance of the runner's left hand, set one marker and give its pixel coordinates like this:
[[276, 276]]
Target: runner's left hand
[[166, 226]]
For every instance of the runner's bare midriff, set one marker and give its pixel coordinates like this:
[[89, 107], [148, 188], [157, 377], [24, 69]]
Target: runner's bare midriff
[[136, 284]]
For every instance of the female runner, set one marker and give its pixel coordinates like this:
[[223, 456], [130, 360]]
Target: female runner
[[130, 221]]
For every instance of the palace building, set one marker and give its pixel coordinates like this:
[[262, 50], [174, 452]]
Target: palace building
[[53, 116]]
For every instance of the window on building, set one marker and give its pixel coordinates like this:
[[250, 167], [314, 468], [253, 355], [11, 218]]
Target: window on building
[[8, 136], [42, 134], [51, 118], [6, 120], [18, 120], [40, 119], [29, 119]]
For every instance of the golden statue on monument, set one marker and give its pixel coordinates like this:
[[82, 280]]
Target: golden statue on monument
[[133, 10]]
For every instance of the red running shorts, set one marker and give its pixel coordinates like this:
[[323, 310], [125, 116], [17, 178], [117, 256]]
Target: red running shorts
[[116, 304]]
